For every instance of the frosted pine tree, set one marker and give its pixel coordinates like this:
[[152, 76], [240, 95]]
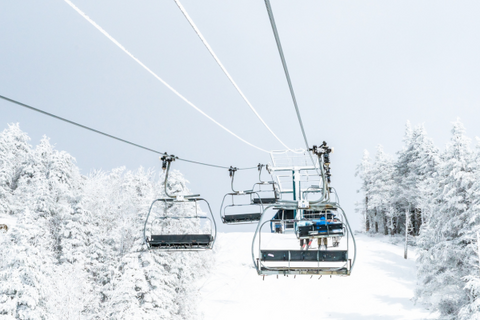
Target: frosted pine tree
[[77, 249], [363, 171], [69, 229], [15, 154], [444, 258], [471, 309], [27, 259], [102, 199], [404, 177], [381, 192], [26, 269], [416, 165]]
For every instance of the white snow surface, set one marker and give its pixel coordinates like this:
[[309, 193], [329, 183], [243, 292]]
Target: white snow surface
[[8, 220], [381, 286]]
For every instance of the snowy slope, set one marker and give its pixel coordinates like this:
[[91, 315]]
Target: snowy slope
[[380, 288], [8, 220]]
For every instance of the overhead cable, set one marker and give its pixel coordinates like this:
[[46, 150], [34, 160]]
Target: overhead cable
[[284, 63], [287, 75], [113, 137], [156, 76], [202, 38]]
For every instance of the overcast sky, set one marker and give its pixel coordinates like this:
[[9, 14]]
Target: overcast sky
[[360, 70]]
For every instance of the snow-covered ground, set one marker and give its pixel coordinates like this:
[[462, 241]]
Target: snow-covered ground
[[10, 222], [380, 288]]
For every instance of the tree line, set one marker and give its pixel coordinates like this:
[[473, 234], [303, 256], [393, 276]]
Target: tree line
[[434, 195], [74, 248]]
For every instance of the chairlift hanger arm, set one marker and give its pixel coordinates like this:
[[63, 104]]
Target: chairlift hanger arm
[[231, 172], [260, 166], [323, 153], [166, 162]]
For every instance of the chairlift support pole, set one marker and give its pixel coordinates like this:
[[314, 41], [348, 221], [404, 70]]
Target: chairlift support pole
[[407, 222]]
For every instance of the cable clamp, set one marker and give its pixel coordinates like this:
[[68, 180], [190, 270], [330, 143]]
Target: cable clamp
[[303, 204], [232, 170]]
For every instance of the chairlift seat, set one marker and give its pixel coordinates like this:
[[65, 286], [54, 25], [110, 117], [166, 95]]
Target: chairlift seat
[[330, 216], [321, 229], [329, 222], [315, 215], [264, 200], [305, 255], [303, 271], [244, 217], [180, 240]]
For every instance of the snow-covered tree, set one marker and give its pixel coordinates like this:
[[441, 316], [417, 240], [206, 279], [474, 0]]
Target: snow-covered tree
[[77, 250], [26, 268], [415, 166], [440, 192], [470, 238], [446, 243], [15, 154], [381, 191], [363, 172]]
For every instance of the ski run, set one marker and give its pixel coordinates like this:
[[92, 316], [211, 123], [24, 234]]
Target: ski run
[[381, 286]]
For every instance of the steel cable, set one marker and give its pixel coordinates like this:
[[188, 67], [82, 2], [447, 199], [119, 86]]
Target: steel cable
[[93, 23], [204, 41], [284, 63], [114, 137], [287, 75]]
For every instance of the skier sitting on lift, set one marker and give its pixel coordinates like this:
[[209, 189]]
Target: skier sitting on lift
[[325, 242]]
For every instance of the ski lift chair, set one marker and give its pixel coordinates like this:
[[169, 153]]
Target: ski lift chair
[[265, 192], [240, 208], [240, 211], [274, 254], [286, 260], [198, 232], [281, 256], [203, 238]]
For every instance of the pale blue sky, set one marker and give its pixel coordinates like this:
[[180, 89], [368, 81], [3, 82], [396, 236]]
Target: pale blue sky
[[360, 69]]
